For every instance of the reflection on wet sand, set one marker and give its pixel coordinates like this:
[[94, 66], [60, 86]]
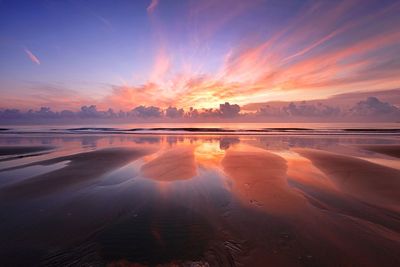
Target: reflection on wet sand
[[21, 150], [372, 183], [201, 201], [173, 164], [391, 150], [82, 168], [259, 178]]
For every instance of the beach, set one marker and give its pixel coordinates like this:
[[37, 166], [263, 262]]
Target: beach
[[208, 199]]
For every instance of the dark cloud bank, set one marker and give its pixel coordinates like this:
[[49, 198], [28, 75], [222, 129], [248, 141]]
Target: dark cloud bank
[[367, 110]]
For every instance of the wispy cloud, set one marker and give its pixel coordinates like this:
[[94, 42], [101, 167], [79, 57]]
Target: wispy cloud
[[31, 56], [153, 5], [161, 66], [342, 53], [327, 48]]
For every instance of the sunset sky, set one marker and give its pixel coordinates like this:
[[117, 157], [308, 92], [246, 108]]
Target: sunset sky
[[125, 53]]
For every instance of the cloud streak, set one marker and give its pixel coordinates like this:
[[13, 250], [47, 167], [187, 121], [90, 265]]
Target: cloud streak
[[342, 53], [224, 51], [153, 5], [32, 57]]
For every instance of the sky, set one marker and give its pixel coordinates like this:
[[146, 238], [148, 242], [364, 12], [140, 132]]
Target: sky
[[194, 53]]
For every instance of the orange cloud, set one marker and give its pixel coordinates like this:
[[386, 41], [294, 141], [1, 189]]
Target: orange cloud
[[127, 97]]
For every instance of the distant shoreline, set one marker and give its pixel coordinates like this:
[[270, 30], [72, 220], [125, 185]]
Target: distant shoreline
[[207, 131]]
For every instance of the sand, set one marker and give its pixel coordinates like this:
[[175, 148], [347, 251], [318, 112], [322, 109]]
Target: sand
[[82, 168], [251, 207], [171, 165], [259, 180], [390, 150], [317, 217], [369, 182], [17, 150]]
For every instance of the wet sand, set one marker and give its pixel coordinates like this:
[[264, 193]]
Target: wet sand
[[17, 150], [259, 180], [174, 164], [390, 150], [82, 168], [199, 202], [372, 183]]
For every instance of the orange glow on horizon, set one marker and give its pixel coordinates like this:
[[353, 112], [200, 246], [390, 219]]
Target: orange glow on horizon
[[281, 67]]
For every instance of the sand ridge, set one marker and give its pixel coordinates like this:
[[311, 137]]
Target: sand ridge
[[83, 168]]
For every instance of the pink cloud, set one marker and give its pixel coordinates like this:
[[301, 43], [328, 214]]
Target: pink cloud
[[153, 5], [31, 56]]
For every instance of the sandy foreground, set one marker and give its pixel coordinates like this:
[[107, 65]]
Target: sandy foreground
[[82, 168], [260, 179], [372, 183], [391, 150], [18, 150], [201, 204]]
